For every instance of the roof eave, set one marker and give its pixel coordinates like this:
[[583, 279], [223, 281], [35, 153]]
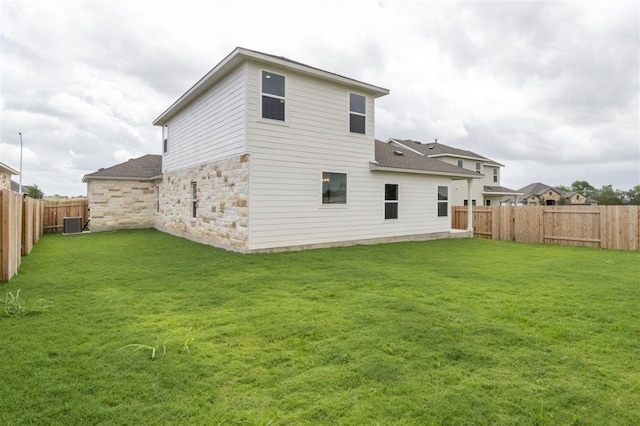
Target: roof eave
[[86, 178], [8, 169], [502, 193], [377, 167]]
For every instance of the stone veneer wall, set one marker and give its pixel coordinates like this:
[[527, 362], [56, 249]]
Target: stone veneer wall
[[222, 217], [121, 204], [5, 181]]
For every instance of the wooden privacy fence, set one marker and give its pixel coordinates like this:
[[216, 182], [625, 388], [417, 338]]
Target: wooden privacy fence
[[611, 227], [55, 212], [20, 228]]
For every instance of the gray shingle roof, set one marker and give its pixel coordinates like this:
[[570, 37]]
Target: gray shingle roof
[[394, 157], [436, 149], [145, 167], [500, 190]]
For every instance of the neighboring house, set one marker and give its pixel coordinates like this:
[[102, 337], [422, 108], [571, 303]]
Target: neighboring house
[[264, 153], [125, 195], [5, 176], [485, 191], [540, 194]]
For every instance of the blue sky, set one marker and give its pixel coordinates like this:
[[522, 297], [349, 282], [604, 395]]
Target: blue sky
[[549, 89]]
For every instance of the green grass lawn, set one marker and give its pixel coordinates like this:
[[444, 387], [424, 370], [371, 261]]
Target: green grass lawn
[[450, 332]]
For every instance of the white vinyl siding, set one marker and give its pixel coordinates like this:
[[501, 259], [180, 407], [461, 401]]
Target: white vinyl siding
[[286, 165], [211, 128]]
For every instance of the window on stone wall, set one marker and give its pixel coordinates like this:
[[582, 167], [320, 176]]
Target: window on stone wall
[[165, 138], [194, 199]]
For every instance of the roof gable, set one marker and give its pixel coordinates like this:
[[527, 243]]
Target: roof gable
[[146, 167], [241, 55]]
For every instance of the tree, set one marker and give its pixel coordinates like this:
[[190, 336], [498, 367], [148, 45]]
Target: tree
[[34, 192], [563, 188], [632, 196], [584, 188], [607, 196]]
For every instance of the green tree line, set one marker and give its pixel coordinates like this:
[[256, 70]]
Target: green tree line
[[606, 195]]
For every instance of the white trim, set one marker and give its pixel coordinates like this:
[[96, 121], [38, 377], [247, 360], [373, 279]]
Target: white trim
[[270, 95], [359, 114], [385, 201], [333, 205], [376, 167]]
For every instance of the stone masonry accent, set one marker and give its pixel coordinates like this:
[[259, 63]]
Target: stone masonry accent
[[222, 203], [121, 204], [5, 180]]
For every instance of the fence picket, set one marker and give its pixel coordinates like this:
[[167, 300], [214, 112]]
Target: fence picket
[[612, 227]]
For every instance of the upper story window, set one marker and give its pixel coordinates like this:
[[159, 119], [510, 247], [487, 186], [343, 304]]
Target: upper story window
[[460, 163], [165, 138], [273, 96], [478, 167], [334, 188], [357, 113], [496, 176]]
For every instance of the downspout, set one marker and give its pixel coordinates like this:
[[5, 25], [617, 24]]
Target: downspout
[[469, 207]]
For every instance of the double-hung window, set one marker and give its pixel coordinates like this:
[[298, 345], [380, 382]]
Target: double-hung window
[[357, 113], [165, 138], [194, 199], [390, 201], [478, 167], [334, 188], [461, 163], [273, 99], [443, 201], [495, 175]]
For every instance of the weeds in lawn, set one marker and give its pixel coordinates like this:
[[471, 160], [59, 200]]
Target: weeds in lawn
[[155, 349], [15, 305]]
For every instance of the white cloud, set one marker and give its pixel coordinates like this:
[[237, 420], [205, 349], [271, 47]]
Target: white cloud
[[548, 88]]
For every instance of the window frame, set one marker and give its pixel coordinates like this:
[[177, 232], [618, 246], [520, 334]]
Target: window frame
[[442, 201], [194, 200], [391, 201], [496, 175], [461, 163], [322, 190], [352, 112], [478, 167], [283, 99], [165, 138]]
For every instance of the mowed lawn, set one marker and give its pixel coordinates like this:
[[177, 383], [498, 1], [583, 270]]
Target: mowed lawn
[[449, 332]]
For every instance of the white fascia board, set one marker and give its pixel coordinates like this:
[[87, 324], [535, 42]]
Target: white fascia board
[[86, 178]]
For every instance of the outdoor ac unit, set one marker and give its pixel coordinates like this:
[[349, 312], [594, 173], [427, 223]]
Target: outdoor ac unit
[[72, 225]]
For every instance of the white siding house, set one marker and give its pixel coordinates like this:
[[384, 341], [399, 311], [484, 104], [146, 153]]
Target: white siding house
[[264, 153]]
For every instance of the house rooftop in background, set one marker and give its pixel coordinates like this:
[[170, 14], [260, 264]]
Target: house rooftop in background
[[436, 149], [542, 194], [147, 167], [393, 158]]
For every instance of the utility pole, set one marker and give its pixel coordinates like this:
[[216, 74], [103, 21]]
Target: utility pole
[[20, 188]]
